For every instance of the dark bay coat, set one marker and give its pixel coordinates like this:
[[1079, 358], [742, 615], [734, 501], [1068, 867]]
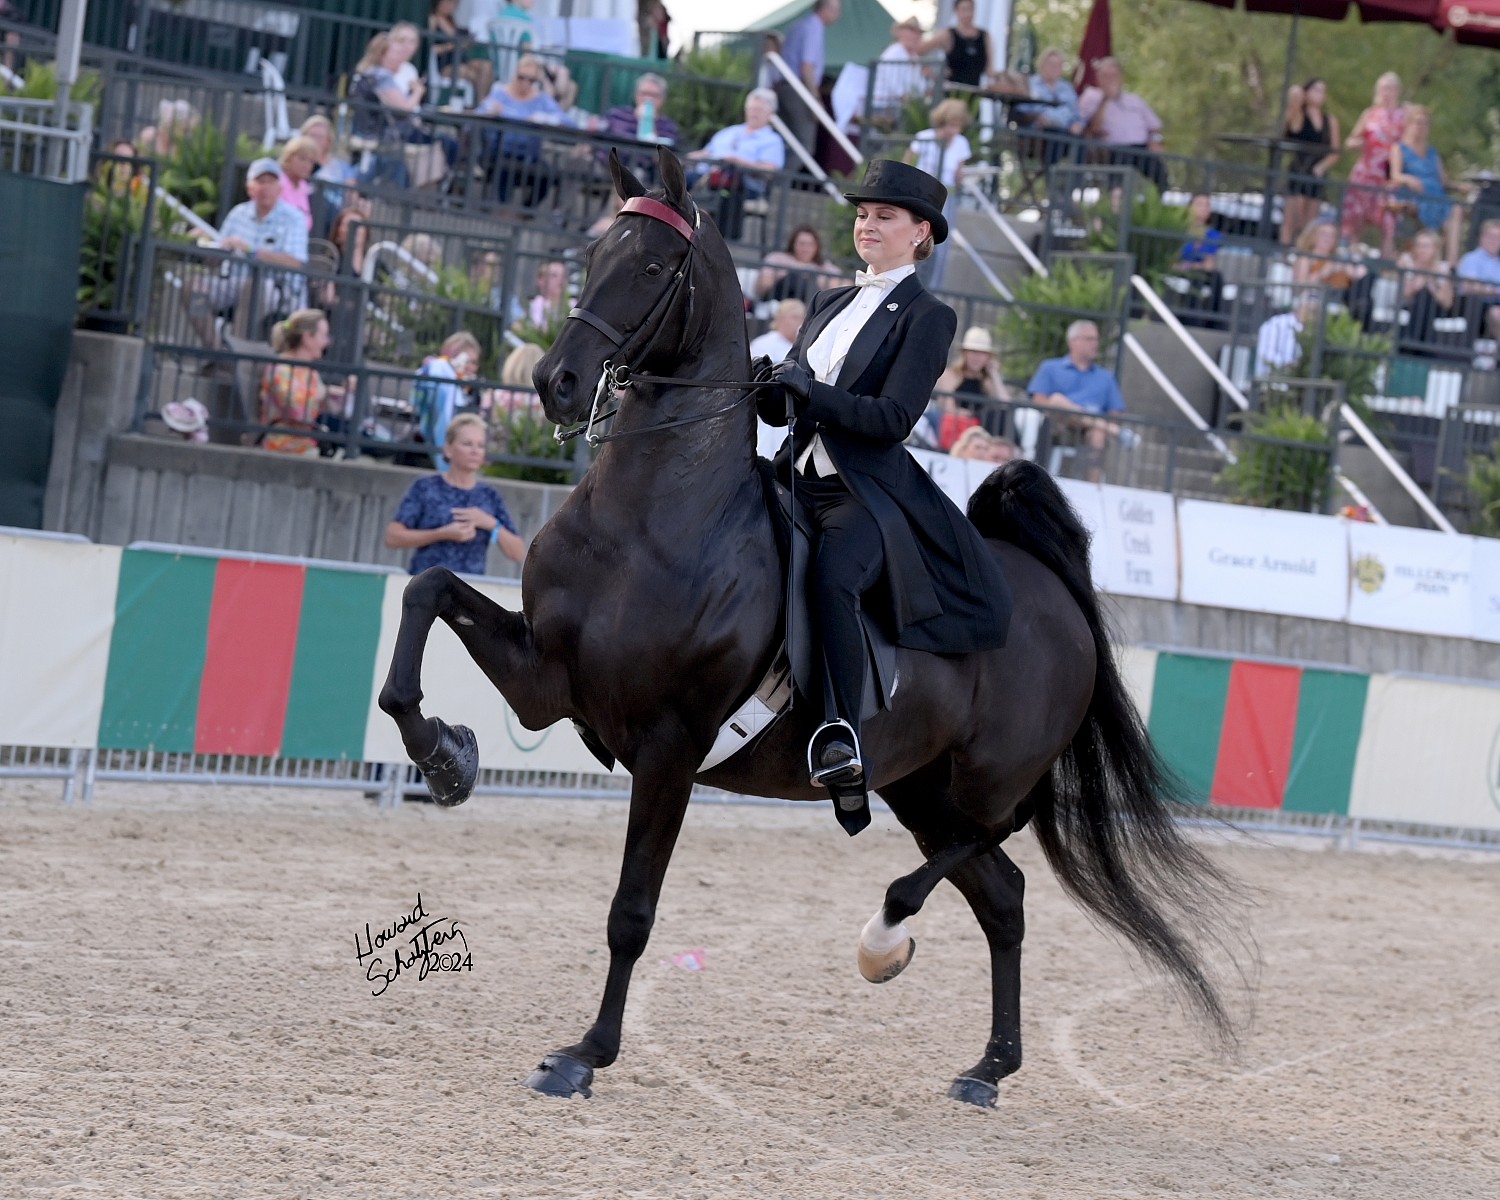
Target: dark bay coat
[[947, 592]]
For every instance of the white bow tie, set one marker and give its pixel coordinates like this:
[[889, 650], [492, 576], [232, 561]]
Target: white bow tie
[[871, 279]]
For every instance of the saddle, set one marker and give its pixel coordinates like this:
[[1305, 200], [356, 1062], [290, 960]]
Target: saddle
[[795, 667]]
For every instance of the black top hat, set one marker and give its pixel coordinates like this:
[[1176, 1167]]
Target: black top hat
[[908, 187]]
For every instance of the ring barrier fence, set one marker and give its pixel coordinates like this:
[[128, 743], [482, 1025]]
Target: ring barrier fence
[[268, 671]]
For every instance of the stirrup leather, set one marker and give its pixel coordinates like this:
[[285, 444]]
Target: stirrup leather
[[848, 771]]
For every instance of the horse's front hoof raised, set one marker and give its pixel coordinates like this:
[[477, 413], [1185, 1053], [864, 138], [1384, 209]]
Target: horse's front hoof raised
[[968, 1090], [561, 1075], [881, 968], [452, 769]]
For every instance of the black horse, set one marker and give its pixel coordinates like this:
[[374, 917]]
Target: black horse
[[651, 605]]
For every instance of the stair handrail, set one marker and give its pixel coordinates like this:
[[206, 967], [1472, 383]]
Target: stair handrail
[[1024, 252], [1176, 397], [1383, 456]]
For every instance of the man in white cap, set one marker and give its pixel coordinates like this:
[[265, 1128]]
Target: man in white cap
[[265, 230]]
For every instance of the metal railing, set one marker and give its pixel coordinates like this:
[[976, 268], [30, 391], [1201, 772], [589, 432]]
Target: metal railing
[[39, 138]]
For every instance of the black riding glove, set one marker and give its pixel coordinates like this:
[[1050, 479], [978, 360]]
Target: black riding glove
[[760, 368], [794, 377]]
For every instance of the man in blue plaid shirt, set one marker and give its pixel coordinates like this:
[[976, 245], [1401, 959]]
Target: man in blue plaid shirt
[[267, 231]]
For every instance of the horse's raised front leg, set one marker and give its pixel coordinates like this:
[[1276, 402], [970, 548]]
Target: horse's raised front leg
[[659, 797], [498, 640]]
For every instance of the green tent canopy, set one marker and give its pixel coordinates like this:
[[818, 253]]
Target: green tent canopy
[[858, 36]]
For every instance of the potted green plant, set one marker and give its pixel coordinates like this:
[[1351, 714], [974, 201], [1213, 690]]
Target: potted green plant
[[1035, 326], [1284, 460]]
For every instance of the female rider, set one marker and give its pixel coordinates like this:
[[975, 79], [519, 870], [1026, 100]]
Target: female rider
[[859, 377]]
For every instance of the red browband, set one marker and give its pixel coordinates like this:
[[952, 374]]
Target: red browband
[[648, 207]]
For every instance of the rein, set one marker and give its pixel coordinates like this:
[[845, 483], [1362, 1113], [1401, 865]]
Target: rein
[[615, 378]]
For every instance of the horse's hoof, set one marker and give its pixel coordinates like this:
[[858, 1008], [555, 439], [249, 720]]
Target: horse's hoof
[[968, 1090], [452, 769], [880, 968], [561, 1075]]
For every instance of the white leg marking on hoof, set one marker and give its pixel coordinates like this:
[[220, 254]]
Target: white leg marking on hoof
[[880, 938]]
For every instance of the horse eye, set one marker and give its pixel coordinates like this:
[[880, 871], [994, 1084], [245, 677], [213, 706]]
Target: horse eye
[[653, 268]]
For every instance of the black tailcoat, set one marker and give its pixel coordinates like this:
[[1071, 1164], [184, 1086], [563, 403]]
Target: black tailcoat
[[947, 592]]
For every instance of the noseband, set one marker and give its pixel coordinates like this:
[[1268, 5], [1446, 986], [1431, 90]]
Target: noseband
[[617, 373]]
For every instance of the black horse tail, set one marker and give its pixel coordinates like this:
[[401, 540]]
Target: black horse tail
[[1105, 815]]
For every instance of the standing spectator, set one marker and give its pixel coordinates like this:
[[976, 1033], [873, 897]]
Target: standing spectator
[[967, 49], [898, 73], [626, 121], [776, 343], [654, 23], [806, 56], [742, 155], [1417, 170], [1078, 385], [1124, 122], [451, 518], [440, 394], [800, 270], [1308, 120], [941, 151], [265, 231], [1062, 115], [299, 158], [1479, 277], [175, 121], [292, 394], [1378, 129], [454, 51]]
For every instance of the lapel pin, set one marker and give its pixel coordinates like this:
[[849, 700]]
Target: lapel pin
[[892, 307]]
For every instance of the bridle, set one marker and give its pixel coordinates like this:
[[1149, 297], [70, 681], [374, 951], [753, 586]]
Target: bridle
[[617, 374]]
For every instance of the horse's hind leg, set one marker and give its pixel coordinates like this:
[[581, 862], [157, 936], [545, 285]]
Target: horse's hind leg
[[498, 640], [995, 889]]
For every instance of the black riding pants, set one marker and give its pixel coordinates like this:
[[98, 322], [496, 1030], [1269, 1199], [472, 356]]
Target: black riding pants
[[846, 562]]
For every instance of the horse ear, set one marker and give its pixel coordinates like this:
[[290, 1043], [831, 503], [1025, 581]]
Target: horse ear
[[672, 177], [627, 186]]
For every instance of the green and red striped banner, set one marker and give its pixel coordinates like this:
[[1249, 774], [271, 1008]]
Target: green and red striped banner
[[229, 656], [1259, 735]]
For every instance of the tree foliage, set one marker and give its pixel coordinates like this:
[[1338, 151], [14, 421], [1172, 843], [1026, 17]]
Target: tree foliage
[[1209, 71]]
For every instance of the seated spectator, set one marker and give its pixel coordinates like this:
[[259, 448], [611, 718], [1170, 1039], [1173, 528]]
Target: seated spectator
[[1124, 122], [551, 301], [299, 158], [175, 120], [1076, 385], [332, 169], [898, 73], [975, 371], [1319, 260], [1479, 277], [1060, 117], [800, 270], [1417, 174], [454, 51], [451, 518], [292, 394], [351, 233], [512, 158], [386, 95], [1277, 346], [604, 220], [518, 396], [264, 230], [1427, 295], [643, 121], [942, 151], [418, 272], [1198, 281], [776, 343], [441, 395], [742, 156], [983, 446]]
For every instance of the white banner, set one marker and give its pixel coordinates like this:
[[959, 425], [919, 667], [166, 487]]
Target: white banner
[[1139, 546], [1259, 559], [1486, 589], [1088, 502], [1416, 580]]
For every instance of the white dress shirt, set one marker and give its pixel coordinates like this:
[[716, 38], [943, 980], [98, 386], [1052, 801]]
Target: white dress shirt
[[825, 357]]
